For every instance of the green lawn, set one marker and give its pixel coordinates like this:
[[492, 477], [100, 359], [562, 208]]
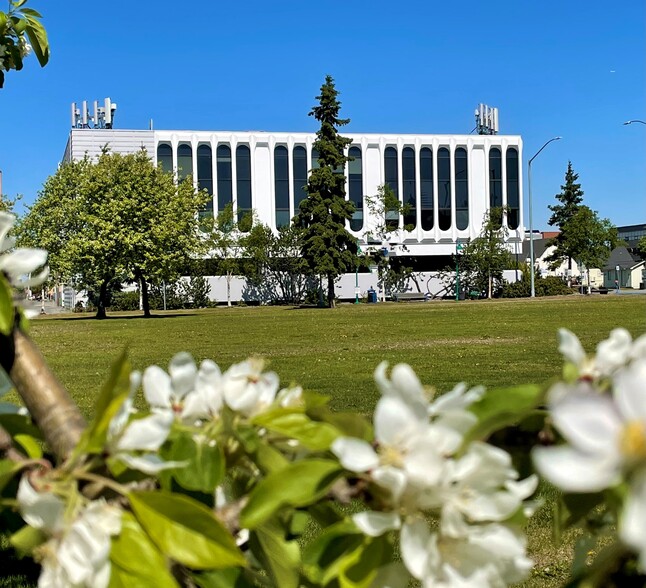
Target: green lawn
[[335, 352]]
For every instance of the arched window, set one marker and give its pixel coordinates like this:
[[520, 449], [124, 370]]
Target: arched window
[[315, 159], [410, 188], [184, 161], [243, 186], [461, 188], [205, 177], [513, 194], [444, 188], [300, 176], [391, 174], [355, 185], [225, 187], [281, 185], [426, 187], [495, 180], [165, 156]]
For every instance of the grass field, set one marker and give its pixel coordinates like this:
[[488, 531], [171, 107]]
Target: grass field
[[334, 352]]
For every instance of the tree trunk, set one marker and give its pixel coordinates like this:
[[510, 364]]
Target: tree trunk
[[330, 292], [103, 300], [48, 402], [145, 299]]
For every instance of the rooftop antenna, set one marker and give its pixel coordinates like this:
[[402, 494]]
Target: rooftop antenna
[[102, 118], [486, 120]]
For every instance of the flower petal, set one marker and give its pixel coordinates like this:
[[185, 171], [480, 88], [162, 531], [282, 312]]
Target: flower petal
[[157, 387], [414, 543], [574, 471], [396, 421], [375, 524], [150, 463], [355, 455], [147, 434], [629, 391], [570, 347], [182, 370]]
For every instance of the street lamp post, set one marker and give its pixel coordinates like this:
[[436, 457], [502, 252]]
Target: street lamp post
[[356, 276], [531, 226], [458, 248]]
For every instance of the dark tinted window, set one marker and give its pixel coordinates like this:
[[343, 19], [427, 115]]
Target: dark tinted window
[[243, 184], [513, 194], [426, 187], [184, 161], [281, 185], [205, 176], [225, 188], [391, 174], [495, 180], [300, 176], [461, 189], [409, 188], [444, 188], [355, 185], [165, 156]]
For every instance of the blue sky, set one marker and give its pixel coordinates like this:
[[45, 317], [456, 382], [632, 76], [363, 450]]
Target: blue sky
[[574, 68]]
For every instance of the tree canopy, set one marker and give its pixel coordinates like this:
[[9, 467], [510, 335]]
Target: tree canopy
[[591, 238], [329, 249], [115, 220]]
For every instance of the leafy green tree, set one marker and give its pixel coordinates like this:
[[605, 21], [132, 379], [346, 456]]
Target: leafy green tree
[[273, 265], [570, 198], [19, 27], [591, 238], [223, 242], [115, 220], [486, 257], [385, 210], [641, 247], [329, 249]]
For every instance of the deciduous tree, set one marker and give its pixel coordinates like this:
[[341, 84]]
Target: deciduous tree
[[118, 219]]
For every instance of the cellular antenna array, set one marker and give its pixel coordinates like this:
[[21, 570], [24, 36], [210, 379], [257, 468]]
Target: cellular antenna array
[[102, 118], [486, 120]]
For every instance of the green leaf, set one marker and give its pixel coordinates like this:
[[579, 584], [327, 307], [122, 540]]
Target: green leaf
[[316, 436], [323, 557], [8, 469], [6, 307], [29, 445], [185, 530], [27, 539], [18, 424], [279, 557], [38, 39], [229, 578], [136, 560], [298, 484], [346, 423], [502, 407], [112, 396], [205, 468], [269, 459], [5, 383], [3, 21]]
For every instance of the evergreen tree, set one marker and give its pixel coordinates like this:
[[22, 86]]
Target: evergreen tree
[[329, 249], [570, 198]]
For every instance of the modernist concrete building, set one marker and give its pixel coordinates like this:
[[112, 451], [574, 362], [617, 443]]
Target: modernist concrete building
[[449, 181]]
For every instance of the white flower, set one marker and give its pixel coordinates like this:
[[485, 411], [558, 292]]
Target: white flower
[[481, 486], [129, 440], [186, 392], [77, 553], [612, 353], [290, 397], [247, 389], [24, 47], [487, 555], [20, 263]]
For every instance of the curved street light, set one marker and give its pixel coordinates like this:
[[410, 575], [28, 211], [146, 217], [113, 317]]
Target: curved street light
[[629, 122], [531, 228]]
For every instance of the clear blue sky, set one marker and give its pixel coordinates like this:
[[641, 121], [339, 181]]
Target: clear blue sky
[[570, 68]]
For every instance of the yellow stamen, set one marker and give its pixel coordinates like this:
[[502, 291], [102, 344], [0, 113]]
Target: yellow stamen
[[633, 440]]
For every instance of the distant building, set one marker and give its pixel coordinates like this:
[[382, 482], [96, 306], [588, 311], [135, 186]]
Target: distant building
[[448, 181], [626, 268]]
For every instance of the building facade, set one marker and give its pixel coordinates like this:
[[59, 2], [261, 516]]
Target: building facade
[[447, 181]]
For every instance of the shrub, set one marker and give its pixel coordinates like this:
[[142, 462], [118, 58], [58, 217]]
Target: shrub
[[125, 300]]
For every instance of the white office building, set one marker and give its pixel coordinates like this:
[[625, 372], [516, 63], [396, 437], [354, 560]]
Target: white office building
[[448, 181]]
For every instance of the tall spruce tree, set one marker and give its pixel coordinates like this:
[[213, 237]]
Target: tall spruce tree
[[329, 249], [570, 198]]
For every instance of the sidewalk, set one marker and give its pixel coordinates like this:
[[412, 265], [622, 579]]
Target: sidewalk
[[49, 306]]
